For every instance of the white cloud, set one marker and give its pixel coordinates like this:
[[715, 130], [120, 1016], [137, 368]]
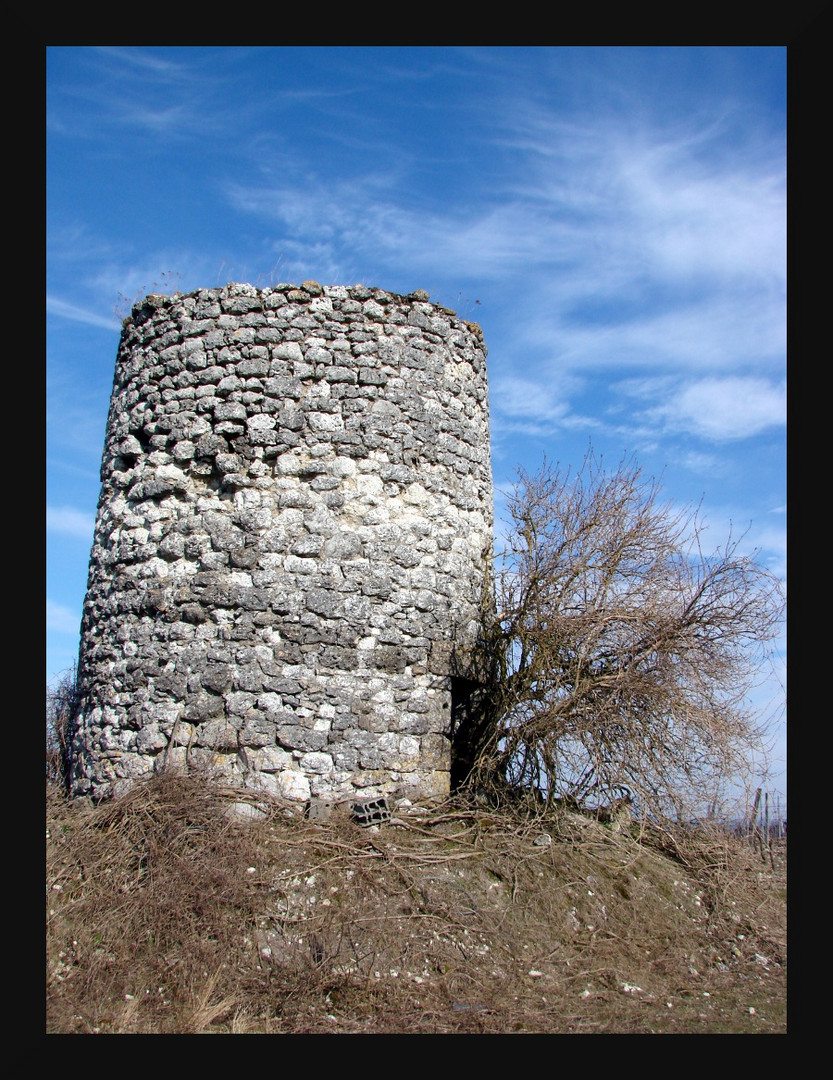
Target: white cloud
[[60, 619], [145, 61], [527, 399], [703, 464], [65, 519], [718, 332], [659, 250], [721, 220], [723, 409], [66, 310], [772, 542], [714, 408]]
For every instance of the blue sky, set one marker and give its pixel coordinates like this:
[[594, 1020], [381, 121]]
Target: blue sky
[[613, 217]]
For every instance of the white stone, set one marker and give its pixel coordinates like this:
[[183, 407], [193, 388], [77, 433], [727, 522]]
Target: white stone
[[269, 759], [343, 466], [316, 762], [319, 421], [294, 786], [288, 465], [260, 422]]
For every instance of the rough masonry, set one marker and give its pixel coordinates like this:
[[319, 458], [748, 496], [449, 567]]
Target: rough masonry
[[291, 547]]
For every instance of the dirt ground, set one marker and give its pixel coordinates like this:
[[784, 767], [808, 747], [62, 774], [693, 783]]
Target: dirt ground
[[168, 913]]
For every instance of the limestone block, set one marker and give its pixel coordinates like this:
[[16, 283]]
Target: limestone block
[[294, 786]]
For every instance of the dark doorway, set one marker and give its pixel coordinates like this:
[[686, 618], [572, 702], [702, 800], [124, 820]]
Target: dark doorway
[[470, 722]]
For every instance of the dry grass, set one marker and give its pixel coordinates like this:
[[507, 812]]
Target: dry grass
[[165, 914]]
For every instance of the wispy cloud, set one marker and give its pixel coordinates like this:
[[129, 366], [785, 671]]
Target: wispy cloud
[[535, 408], [696, 461], [526, 399], [716, 409], [61, 619], [72, 522], [658, 250], [147, 63], [128, 87], [712, 333], [772, 540], [66, 310]]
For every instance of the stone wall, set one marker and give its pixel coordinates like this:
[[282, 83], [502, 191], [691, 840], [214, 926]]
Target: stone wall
[[291, 545]]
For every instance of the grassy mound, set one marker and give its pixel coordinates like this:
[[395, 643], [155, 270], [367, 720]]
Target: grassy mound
[[168, 913]]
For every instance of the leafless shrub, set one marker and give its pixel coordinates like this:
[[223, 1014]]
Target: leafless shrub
[[624, 652]]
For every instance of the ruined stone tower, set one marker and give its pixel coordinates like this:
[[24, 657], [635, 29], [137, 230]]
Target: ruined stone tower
[[291, 546]]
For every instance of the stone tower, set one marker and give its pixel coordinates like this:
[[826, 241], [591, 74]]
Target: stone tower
[[292, 544]]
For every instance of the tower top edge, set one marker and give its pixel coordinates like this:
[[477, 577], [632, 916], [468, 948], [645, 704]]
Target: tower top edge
[[305, 292]]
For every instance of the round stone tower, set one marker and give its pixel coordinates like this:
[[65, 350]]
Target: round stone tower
[[292, 544]]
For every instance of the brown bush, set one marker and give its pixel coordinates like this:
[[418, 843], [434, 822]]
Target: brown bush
[[623, 652], [165, 913]]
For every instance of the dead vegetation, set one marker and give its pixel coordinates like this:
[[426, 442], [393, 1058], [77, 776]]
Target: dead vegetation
[[168, 914], [623, 652]]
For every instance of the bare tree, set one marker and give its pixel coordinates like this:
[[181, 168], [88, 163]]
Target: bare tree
[[61, 699], [623, 653]]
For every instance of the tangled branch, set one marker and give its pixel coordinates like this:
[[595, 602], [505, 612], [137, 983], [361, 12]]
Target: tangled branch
[[624, 652]]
